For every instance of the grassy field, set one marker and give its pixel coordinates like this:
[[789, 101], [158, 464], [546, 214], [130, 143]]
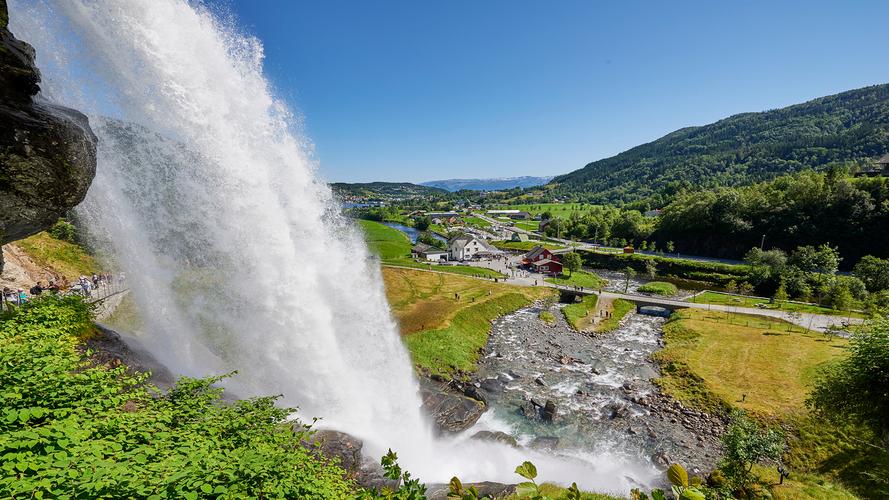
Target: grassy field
[[619, 309], [578, 278], [476, 222], [713, 359], [445, 319], [659, 288], [561, 210], [65, 258], [528, 225], [386, 242], [578, 315], [748, 355], [734, 300]]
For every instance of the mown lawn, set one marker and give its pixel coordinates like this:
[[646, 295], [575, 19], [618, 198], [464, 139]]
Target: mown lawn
[[578, 278], [65, 258], [713, 359], [659, 288], [738, 354], [710, 297], [561, 210], [476, 222], [446, 319]]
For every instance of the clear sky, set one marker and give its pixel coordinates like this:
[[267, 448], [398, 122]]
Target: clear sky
[[422, 90]]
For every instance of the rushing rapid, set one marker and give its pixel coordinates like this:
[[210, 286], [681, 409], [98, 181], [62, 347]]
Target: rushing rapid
[[206, 195]]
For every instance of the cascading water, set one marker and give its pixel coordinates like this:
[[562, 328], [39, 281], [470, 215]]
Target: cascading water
[[234, 251]]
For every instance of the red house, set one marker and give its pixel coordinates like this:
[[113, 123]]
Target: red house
[[543, 260]]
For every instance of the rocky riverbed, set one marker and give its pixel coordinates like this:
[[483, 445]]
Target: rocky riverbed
[[548, 386]]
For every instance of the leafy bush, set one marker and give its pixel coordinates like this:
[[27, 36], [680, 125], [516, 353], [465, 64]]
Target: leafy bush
[[659, 288], [64, 230], [71, 428]]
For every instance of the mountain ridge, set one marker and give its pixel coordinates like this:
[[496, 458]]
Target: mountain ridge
[[489, 184], [849, 127]]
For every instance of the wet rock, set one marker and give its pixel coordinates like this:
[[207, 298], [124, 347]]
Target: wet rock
[[548, 412], [496, 437], [492, 385], [539, 381], [529, 409], [486, 489], [344, 447], [47, 153], [452, 411], [545, 443]]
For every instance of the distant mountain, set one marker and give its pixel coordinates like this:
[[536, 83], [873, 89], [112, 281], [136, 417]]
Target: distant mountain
[[382, 189], [488, 184], [743, 149]]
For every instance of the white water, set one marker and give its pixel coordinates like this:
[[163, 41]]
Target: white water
[[233, 248]]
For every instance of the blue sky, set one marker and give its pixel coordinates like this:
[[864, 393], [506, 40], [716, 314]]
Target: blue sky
[[421, 90]]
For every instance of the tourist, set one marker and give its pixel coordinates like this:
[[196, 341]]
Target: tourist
[[37, 289], [22, 298]]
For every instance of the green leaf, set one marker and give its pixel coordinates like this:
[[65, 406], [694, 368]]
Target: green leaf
[[206, 488], [525, 490], [692, 494], [677, 476], [658, 495], [527, 470]]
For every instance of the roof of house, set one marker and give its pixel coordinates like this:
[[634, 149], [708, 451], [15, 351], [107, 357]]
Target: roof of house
[[884, 159], [424, 248], [545, 262], [520, 236], [535, 252]]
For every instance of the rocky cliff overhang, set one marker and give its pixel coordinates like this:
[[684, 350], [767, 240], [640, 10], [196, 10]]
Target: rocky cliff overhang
[[47, 152]]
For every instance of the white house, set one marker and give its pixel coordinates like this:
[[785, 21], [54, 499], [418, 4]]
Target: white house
[[466, 247], [428, 252]]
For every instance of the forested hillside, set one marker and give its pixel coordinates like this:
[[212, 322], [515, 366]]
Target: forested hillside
[[374, 189], [849, 127]]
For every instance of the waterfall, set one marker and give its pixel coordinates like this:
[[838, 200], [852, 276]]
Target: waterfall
[[207, 197]]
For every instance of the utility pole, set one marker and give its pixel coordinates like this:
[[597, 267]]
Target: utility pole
[[763, 242]]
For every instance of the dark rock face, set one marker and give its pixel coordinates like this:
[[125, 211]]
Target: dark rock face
[[453, 408], [496, 437], [47, 153]]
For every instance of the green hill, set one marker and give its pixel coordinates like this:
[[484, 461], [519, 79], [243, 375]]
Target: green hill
[[384, 189], [849, 127]]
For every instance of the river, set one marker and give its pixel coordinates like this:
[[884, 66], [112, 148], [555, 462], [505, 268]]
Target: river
[[412, 232], [601, 387]]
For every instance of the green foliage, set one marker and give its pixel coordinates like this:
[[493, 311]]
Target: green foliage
[[745, 444], [576, 313], [713, 272], [749, 147], [71, 428], [659, 288], [572, 261], [409, 488], [547, 317], [422, 223], [64, 230], [874, 272], [856, 387]]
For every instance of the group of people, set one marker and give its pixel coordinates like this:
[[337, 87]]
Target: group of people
[[84, 286]]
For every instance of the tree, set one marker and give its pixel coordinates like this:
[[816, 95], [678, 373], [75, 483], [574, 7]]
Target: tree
[[874, 272], [745, 444], [573, 262], [731, 286], [650, 269], [629, 273], [855, 387], [423, 223], [670, 247], [745, 288], [781, 293]]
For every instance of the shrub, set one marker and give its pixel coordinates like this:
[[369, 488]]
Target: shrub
[[72, 428], [659, 288], [64, 230]]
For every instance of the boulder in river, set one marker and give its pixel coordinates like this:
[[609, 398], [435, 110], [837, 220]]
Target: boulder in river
[[451, 410], [496, 437]]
